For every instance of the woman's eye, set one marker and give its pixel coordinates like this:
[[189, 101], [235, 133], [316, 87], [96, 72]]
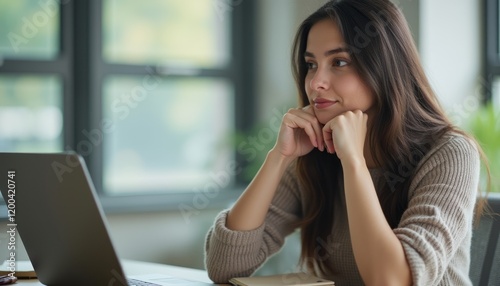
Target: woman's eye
[[339, 63], [310, 65]]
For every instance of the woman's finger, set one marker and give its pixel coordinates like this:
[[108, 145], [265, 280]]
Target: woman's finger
[[307, 113], [294, 121], [328, 138]]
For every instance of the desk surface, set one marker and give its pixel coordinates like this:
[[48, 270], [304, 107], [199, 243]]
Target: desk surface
[[137, 268]]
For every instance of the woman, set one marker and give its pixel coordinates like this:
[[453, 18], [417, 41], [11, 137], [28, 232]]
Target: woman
[[381, 184]]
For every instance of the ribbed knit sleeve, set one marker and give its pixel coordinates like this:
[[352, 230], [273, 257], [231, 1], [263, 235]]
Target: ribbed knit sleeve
[[435, 230], [230, 253]]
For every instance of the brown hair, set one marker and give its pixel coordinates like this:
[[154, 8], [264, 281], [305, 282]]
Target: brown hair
[[409, 118]]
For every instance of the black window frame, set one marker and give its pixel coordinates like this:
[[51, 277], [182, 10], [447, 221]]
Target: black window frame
[[491, 46], [82, 70]]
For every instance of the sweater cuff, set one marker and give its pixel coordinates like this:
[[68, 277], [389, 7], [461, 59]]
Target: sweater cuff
[[235, 237]]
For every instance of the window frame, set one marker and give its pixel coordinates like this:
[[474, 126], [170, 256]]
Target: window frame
[[82, 71], [60, 66], [491, 46]]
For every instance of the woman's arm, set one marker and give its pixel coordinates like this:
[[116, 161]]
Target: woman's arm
[[378, 252], [232, 253], [300, 132], [256, 226], [436, 228], [250, 210]]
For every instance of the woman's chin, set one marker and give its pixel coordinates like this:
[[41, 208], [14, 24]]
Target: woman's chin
[[325, 118]]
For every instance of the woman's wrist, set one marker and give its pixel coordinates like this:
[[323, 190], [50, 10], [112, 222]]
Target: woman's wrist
[[353, 163], [278, 159]]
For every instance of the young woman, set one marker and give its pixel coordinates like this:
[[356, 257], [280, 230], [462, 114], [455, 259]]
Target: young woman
[[381, 184]]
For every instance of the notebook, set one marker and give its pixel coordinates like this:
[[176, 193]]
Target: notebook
[[296, 279], [53, 205]]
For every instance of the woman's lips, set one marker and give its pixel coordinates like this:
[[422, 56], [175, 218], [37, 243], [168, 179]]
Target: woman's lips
[[321, 103]]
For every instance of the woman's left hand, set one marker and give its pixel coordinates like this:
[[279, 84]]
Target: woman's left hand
[[345, 135]]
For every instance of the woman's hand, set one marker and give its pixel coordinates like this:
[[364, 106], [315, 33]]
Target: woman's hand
[[299, 133], [345, 135]]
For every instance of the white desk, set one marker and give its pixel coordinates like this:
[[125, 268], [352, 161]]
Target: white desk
[[131, 267]]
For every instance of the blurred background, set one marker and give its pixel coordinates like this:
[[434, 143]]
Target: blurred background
[[174, 103]]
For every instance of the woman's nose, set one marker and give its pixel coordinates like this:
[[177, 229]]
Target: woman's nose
[[320, 80]]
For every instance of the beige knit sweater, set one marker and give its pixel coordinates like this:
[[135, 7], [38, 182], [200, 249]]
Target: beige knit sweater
[[435, 230]]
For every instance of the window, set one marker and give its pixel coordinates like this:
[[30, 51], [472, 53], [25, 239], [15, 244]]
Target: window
[[31, 89], [170, 119], [485, 125], [31, 30], [492, 52], [149, 92], [168, 134], [31, 113]]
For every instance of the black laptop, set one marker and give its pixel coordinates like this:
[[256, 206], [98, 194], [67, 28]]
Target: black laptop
[[55, 208]]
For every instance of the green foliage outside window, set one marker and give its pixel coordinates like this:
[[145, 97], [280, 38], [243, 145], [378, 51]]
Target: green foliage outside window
[[485, 127]]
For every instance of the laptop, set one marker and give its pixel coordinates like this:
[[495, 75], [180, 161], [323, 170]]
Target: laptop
[[61, 222]]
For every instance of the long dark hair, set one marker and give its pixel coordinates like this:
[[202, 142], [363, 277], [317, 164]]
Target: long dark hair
[[408, 118]]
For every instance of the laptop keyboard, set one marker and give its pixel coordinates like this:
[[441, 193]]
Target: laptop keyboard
[[134, 282]]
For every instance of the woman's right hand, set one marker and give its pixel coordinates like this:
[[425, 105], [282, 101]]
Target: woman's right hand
[[299, 133]]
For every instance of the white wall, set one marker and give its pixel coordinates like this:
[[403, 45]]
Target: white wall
[[277, 24], [451, 49]]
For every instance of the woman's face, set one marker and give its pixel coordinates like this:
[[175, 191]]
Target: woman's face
[[333, 85]]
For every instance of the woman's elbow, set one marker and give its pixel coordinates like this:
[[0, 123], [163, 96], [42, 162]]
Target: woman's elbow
[[393, 279], [217, 275]]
